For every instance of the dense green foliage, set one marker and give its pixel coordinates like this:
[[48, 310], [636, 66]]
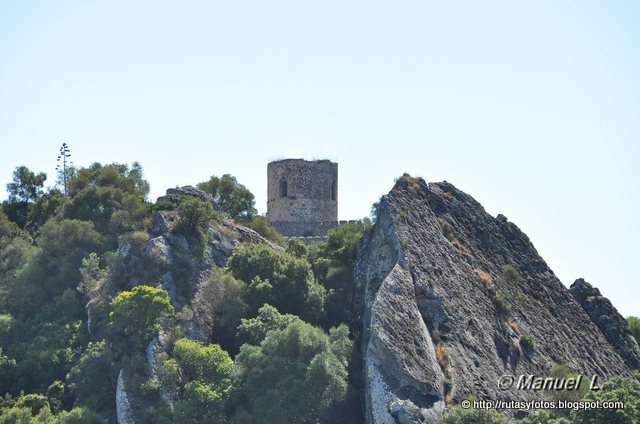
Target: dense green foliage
[[220, 304], [136, 316], [279, 279], [278, 332], [634, 326], [295, 374], [616, 389], [458, 415], [195, 216], [26, 185], [233, 199], [80, 300], [510, 274], [205, 372], [112, 197]]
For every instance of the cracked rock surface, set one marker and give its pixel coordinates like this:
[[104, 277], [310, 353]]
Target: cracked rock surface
[[444, 320]]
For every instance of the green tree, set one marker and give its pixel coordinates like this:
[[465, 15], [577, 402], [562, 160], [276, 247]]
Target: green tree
[[195, 216], [219, 304], [45, 349], [50, 268], [561, 371], [209, 364], [7, 227], [35, 402], [207, 371], [297, 248], [200, 404], [254, 330], [90, 376], [15, 415], [279, 279], [7, 371], [79, 415], [234, 200], [116, 175], [26, 185], [111, 196], [543, 417], [458, 415], [616, 389], [333, 265], [136, 316], [510, 274], [295, 375], [634, 326]]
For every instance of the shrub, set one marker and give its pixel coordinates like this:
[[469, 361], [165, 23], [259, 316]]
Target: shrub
[[501, 304], [522, 298], [260, 225], [234, 199], [79, 415], [315, 379], [136, 315], [616, 389], [458, 415], [209, 364], [561, 371], [195, 216], [484, 277], [528, 342], [510, 274], [441, 354], [279, 279], [219, 304], [634, 326]]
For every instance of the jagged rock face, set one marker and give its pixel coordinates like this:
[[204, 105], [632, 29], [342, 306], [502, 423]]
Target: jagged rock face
[[124, 407], [609, 321], [174, 195], [434, 329]]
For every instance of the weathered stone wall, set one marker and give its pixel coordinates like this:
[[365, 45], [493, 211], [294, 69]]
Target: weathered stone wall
[[308, 206], [304, 228]]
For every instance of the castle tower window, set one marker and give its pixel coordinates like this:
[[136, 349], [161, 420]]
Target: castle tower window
[[334, 191], [283, 188]]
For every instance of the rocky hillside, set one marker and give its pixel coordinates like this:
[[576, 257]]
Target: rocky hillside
[[455, 298], [169, 248], [115, 309]]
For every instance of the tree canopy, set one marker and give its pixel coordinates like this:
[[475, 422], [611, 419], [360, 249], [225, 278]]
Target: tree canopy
[[26, 185], [136, 316], [234, 199]]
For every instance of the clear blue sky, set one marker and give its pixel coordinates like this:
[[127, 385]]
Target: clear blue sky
[[532, 108]]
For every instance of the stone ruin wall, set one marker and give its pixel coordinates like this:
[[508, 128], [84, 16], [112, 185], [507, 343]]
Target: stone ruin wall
[[309, 208]]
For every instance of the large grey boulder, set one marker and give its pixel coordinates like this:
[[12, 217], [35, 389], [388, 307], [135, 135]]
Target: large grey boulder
[[441, 321], [609, 321], [175, 194]]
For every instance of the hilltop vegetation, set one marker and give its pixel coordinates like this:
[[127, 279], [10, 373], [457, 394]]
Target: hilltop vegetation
[[177, 311], [82, 297]]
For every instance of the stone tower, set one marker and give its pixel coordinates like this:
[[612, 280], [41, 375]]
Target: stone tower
[[302, 196]]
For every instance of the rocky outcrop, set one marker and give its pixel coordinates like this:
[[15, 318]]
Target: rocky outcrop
[[159, 247], [155, 349], [124, 409], [182, 264], [175, 194], [444, 318], [164, 221], [609, 321]]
